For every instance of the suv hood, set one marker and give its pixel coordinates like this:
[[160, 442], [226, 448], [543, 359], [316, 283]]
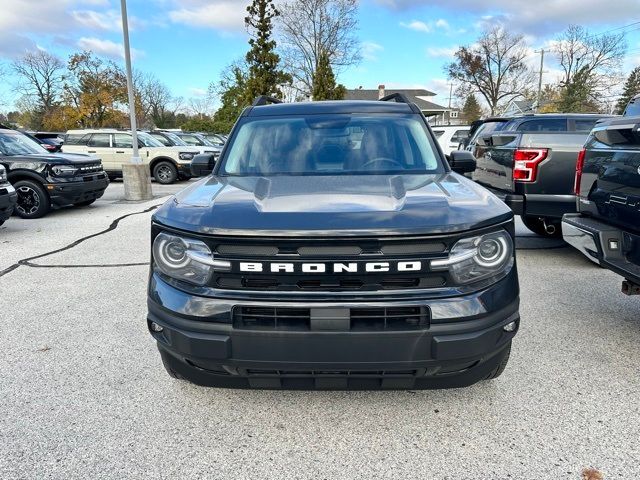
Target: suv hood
[[58, 158], [333, 205]]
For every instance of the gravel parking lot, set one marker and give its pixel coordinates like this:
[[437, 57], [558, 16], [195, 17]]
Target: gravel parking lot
[[83, 393]]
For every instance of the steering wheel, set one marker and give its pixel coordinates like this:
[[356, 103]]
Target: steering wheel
[[390, 161]]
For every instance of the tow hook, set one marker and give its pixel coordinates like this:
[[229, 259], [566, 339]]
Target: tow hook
[[630, 288], [550, 228]]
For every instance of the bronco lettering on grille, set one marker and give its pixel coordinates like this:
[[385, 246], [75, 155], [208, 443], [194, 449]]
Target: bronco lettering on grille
[[348, 267]]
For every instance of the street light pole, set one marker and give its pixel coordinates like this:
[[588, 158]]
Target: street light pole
[[137, 181]]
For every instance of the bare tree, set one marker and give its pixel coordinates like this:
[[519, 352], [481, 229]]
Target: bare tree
[[309, 27], [595, 60], [200, 106], [40, 76], [494, 67]]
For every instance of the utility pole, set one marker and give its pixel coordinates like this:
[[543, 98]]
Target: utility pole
[[449, 107], [135, 175], [539, 96]]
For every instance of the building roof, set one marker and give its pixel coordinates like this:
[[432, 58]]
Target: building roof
[[416, 95]]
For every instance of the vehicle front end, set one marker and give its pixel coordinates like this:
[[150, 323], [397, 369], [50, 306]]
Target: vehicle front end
[[74, 179], [332, 275]]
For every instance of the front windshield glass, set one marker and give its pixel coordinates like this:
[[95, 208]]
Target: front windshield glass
[[15, 143], [148, 141], [633, 109], [331, 145]]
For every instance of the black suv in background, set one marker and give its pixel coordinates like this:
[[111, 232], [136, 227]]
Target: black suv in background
[[43, 180], [529, 162], [334, 247], [607, 226], [8, 196]]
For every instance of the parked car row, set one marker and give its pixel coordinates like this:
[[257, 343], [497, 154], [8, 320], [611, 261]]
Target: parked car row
[[34, 179], [42, 180]]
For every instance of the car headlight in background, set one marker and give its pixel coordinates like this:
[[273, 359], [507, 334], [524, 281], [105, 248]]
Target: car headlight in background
[[3, 174], [64, 170], [186, 155], [477, 258], [185, 259]]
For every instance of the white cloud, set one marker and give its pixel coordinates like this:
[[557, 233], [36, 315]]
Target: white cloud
[[106, 48], [442, 23], [541, 16], [197, 92], [226, 15], [441, 52], [370, 50], [109, 20], [417, 25]]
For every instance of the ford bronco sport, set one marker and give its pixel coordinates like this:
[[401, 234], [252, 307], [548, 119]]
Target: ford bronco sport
[[334, 247], [43, 180]]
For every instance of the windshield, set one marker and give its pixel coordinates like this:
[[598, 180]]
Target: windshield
[[15, 143], [148, 141], [331, 145], [633, 109]]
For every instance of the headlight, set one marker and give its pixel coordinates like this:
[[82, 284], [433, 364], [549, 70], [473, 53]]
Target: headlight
[[185, 259], [476, 258], [186, 155], [63, 170], [3, 174]]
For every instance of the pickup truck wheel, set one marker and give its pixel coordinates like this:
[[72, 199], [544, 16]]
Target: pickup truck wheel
[[86, 203], [165, 173], [33, 200], [552, 229], [502, 365]]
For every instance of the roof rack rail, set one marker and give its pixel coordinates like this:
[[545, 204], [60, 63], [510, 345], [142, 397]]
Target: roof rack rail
[[265, 100], [396, 97]]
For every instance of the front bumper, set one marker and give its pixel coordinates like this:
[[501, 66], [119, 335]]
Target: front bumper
[[68, 193], [8, 199], [604, 244], [461, 345]]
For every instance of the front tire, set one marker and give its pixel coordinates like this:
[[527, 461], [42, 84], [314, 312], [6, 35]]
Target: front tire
[[33, 200], [553, 227], [165, 173]]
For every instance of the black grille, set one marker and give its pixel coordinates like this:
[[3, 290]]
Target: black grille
[[359, 319], [334, 254]]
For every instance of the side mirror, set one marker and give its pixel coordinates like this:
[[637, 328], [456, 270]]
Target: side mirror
[[462, 161], [203, 164]]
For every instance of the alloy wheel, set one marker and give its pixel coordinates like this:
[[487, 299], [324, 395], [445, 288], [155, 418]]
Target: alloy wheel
[[28, 200]]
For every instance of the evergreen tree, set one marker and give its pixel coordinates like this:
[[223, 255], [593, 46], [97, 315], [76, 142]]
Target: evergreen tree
[[631, 89], [471, 109], [232, 90], [575, 96], [324, 81], [264, 74]]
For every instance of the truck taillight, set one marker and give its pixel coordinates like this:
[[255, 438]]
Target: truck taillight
[[579, 167], [525, 163]]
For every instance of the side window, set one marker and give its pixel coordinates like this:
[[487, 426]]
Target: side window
[[161, 139], [459, 136], [544, 125], [100, 140], [190, 140], [122, 140], [438, 133], [585, 124]]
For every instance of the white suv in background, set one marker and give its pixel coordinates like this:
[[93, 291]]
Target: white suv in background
[[115, 147], [450, 136]]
